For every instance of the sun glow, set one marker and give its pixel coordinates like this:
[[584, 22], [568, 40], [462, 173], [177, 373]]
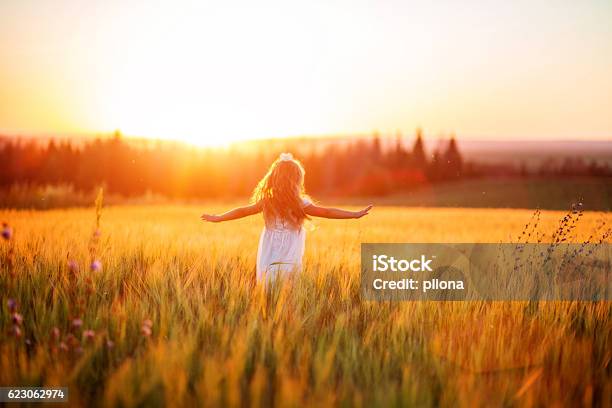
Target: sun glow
[[214, 72], [208, 84]]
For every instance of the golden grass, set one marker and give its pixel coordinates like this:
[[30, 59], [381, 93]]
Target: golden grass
[[218, 339]]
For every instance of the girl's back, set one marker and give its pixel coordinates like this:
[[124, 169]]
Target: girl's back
[[281, 247], [280, 196]]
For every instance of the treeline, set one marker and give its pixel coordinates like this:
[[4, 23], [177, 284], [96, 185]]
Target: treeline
[[360, 166]]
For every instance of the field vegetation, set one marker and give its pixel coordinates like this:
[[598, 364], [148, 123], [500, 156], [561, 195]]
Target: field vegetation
[[148, 306]]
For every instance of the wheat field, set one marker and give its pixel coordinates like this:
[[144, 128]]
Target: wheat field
[[170, 315]]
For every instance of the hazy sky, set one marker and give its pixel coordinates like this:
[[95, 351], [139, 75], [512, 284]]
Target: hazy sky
[[209, 71]]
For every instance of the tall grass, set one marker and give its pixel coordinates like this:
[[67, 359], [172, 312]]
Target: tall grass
[[171, 315]]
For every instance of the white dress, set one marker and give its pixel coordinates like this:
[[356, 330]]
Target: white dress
[[281, 249]]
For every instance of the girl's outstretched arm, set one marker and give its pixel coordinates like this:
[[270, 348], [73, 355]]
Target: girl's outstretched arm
[[234, 214], [336, 213]]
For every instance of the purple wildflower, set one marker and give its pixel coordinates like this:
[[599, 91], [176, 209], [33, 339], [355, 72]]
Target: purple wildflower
[[89, 335], [96, 266], [76, 323], [17, 319], [7, 232], [12, 305]]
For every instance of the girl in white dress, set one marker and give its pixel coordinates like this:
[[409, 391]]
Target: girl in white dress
[[280, 196]]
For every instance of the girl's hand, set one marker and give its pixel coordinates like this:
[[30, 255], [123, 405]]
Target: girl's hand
[[210, 218], [365, 211]]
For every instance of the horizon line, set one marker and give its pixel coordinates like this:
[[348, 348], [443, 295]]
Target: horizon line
[[386, 135]]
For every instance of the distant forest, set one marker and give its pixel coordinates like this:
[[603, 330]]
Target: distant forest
[[359, 167]]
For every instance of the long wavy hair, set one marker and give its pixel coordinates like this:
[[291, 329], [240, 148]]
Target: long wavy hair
[[280, 193]]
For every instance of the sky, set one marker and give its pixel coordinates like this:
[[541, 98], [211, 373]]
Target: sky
[[209, 72]]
